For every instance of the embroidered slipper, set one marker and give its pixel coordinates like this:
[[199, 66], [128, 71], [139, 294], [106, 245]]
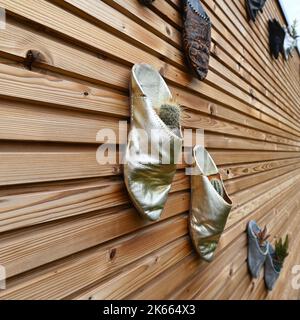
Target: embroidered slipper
[[196, 37]]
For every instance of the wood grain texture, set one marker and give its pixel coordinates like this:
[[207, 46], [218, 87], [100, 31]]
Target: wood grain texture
[[68, 229]]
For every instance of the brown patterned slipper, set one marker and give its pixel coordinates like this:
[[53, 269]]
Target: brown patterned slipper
[[196, 37]]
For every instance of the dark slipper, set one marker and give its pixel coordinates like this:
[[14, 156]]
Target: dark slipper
[[276, 38], [253, 7], [250, 12], [196, 37]]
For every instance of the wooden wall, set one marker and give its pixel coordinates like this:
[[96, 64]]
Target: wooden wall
[[67, 227]]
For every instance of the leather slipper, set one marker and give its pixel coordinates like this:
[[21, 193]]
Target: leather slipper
[[196, 37]]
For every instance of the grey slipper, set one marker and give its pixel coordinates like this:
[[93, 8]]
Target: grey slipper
[[271, 274], [256, 253]]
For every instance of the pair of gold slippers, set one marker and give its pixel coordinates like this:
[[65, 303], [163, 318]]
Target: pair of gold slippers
[[154, 147]]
